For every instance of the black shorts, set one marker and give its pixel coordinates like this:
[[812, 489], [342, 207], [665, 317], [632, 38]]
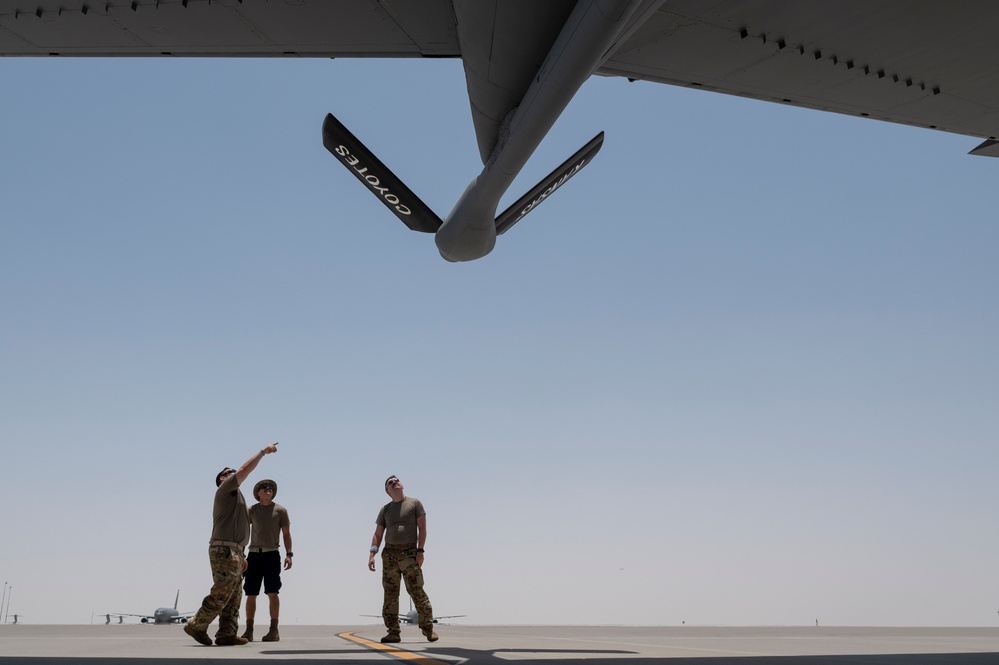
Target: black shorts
[[262, 566]]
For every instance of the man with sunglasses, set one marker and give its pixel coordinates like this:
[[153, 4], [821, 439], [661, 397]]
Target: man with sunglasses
[[403, 523], [230, 531], [268, 522]]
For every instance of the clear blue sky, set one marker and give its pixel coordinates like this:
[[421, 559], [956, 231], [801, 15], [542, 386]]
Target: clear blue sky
[[741, 370]]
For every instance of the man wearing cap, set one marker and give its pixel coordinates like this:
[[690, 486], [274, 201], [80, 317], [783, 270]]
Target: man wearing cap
[[263, 564], [230, 531], [403, 523]]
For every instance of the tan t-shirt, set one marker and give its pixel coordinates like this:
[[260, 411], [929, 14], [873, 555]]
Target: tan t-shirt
[[229, 515], [266, 523], [399, 520]]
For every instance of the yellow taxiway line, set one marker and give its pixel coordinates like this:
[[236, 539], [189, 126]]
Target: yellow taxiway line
[[392, 651]]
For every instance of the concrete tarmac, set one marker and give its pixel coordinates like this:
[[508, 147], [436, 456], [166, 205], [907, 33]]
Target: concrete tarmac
[[509, 645]]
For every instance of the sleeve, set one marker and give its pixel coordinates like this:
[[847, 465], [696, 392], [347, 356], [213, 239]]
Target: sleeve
[[380, 520], [420, 512], [229, 485], [284, 520]]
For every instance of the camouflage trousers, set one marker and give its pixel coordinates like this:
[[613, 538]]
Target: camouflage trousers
[[226, 595], [399, 561]]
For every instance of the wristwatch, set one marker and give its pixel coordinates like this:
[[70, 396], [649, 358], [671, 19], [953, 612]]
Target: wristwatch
[[289, 554]]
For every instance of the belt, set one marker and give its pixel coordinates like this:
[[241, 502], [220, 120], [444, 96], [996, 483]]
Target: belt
[[399, 547], [261, 550], [226, 543]]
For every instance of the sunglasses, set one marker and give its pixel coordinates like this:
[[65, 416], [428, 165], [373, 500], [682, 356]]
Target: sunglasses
[[266, 487]]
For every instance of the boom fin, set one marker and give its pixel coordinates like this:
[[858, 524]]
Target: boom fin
[[548, 185], [377, 177]]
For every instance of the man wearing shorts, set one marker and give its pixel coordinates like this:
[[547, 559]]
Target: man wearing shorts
[[268, 521]]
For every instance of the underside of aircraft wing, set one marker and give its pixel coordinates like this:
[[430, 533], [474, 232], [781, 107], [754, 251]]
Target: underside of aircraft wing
[[229, 28], [928, 64]]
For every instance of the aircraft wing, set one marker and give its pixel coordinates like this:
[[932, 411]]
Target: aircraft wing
[[229, 28], [932, 64]]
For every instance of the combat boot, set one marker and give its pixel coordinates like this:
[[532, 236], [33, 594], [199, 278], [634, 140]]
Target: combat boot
[[230, 641], [248, 633], [272, 634], [199, 635], [392, 637], [431, 635]]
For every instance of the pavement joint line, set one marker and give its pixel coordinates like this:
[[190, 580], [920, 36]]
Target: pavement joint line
[[391, 651]]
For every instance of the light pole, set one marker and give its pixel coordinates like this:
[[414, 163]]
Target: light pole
[[10, 592], [4, 597]]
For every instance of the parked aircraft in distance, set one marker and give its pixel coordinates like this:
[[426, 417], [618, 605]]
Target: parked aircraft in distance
[[412, 617], [927, 64], [161, 615]]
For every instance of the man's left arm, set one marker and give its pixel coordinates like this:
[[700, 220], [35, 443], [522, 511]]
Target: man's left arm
[[421, 538], [286, 532]]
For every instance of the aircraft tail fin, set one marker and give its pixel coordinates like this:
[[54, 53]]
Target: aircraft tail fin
[[548, 185], [377, 177], [176, 599]]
